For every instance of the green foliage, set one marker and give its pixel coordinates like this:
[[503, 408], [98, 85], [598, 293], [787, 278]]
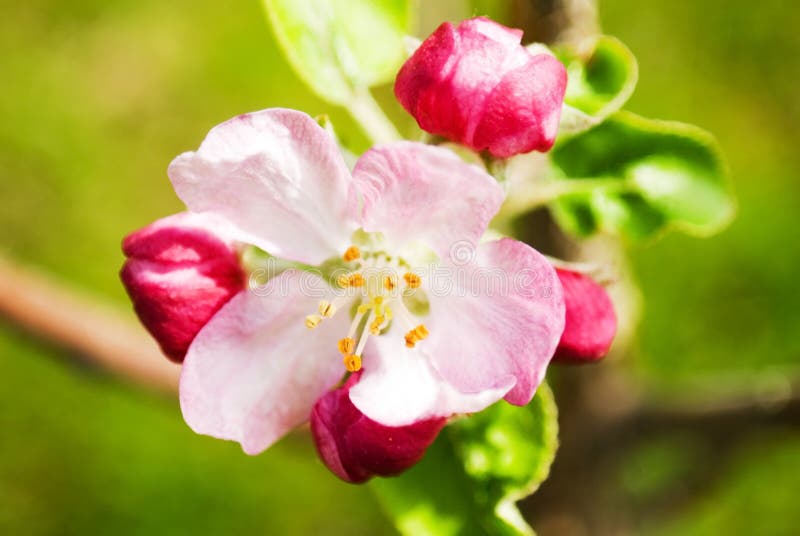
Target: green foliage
[[474, 473], [497, 11], [714, 65], [83, 454], [635, 177], [757, 494], [341, 47], [600, 81]]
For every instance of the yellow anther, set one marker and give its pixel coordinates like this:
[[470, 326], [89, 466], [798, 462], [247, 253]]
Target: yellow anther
[[326, 309], [375, 326], [377, 305], [351, 280], [351, 254], [415, 335], [313, 321], [363, 308], [411, 339], [421, 331], [387, 311], [352, 362], [389, 282], [412, 280], [347, 345]]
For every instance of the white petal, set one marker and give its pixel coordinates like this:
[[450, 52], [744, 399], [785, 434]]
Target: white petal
[[399, 386], [276, 176], [254, 371], [503, 316], [415, 192]]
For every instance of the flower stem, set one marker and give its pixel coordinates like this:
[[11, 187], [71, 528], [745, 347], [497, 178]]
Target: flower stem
[[531, 195], [365, 109], [543, 193]]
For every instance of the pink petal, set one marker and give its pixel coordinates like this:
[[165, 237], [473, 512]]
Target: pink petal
[[416, 192], [475, 84], [522, 113], [180, 271], [254, 372], [399, 386], [275, 175], [591, 322], [503, 319], [355, 448]]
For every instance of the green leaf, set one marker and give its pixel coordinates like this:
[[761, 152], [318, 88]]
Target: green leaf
[[599, 82], [636, 177], [472, 476], [507, 452], [341, 47], [574, 121], [433, 498]]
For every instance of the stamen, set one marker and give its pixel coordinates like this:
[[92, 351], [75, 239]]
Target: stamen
[[347, 345], [360, 312], [351, 280], [326, 309], [412, 280], [411, 341], [352, 253], [362, 342], [352, 362], [415, 335], [378, 307], [376, 325], [421, 331], [389, 282]]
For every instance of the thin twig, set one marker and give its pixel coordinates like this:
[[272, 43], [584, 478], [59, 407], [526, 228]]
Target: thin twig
[[76, 321]]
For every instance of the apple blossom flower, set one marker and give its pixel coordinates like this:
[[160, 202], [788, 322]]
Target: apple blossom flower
[[477, 85], [259, 365], [180, 271], [356, 448], [590, 319]]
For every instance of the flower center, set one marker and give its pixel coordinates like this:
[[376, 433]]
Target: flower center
[[375, 282]]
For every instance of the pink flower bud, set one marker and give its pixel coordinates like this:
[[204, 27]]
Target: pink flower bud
[[356, 448], [590, 321], [477, 85], [180, 271]]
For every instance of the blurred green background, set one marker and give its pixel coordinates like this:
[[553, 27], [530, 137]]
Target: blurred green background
[[98, 96]]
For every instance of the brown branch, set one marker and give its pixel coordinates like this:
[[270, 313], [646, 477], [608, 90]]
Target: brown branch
[[75, 321], [556, 21]]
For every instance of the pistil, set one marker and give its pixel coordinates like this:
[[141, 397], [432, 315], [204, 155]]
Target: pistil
[[376, 280]]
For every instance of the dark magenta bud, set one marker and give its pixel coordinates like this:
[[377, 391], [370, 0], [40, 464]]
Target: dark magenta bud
[[475, 84], [590, 319], [356, 448], [180, 271]]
